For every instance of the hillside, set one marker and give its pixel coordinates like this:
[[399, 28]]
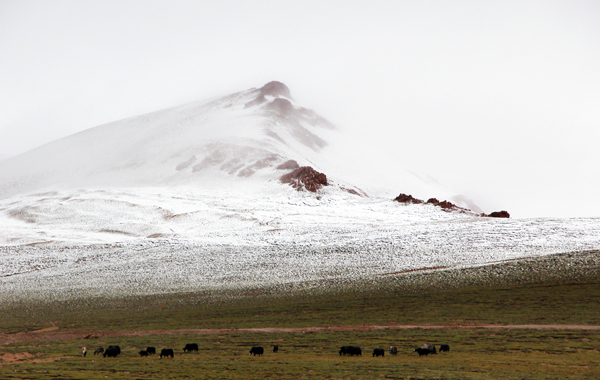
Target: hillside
[[248, 190], [246, 135], [159, 174]]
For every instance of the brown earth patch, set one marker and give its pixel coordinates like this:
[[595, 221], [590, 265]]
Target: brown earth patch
[[6, 339], [11, 358], [22, 357]]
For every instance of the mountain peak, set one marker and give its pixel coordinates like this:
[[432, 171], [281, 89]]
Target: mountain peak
[[276, 89]]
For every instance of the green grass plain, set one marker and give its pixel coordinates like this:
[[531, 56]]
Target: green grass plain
[[505, 294]]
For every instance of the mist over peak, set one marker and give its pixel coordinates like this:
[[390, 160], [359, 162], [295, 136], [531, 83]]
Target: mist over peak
[[244, 137], [247, 134]]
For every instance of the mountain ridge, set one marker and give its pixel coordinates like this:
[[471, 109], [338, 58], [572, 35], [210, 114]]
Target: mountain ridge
[[170, 137], [245, 134]]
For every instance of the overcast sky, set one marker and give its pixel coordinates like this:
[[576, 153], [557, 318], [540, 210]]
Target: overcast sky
[[499, 100]]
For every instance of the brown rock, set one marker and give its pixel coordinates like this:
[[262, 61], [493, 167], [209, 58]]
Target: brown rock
[[406, 198], [305, 178], [498, 214], [442, 204]]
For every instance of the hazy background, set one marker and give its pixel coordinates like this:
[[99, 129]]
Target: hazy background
[[499, 100]]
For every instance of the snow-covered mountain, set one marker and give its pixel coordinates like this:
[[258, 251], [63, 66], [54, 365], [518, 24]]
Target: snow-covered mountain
[[248, 135], [136, 178], [204, 196]]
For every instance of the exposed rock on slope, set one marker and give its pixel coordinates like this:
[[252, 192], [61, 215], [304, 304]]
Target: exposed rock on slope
[[445, 205], [406, 198], [276, 89], [245, 134], [305, 178], [243, 139], [498, 214]]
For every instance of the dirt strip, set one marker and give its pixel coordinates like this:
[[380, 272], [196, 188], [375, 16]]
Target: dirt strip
[[45, 335]]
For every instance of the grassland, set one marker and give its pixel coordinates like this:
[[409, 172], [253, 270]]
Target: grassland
[[556, 290]]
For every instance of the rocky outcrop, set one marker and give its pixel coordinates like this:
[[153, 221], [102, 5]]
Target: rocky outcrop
[[276, 89], [305, 178], [498, 214], [274, 100], [443, 204], [447, 206], [406, 198]]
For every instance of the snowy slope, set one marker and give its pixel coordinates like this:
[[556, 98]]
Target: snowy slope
[[176, 145], [190, 198], [101, 185], [247, 134], [202, 240]]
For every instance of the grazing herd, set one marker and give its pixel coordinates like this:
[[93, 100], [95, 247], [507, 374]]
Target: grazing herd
[[114, 351], [427, 349]]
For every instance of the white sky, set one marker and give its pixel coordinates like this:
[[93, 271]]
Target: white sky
[[500, 100]]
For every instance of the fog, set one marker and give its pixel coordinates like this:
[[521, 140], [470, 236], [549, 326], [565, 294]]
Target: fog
[[498, 100]]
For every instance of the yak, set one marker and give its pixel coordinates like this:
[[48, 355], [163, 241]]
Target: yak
[[378, 352], [112, 351], [167, 352], [190, 347], [351, 350]]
